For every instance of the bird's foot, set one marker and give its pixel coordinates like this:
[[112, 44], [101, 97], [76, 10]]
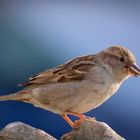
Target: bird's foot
[[75, 124], [78, 122]]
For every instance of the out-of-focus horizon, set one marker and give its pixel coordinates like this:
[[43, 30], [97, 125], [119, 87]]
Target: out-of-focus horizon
[[38, 35]]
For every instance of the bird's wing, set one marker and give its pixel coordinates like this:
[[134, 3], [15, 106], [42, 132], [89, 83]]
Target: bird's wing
[[73, 70]]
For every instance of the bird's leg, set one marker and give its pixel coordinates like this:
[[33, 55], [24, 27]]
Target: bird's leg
[[77, 122], [67, 119], [81, 116]]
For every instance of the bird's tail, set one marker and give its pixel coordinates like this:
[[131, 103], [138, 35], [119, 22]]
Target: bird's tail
[[14, 96]]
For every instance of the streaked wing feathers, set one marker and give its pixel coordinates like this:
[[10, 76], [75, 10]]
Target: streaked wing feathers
[[73, 70]]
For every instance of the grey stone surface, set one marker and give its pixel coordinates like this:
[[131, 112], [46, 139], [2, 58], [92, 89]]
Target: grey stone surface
[[21, 131], [90, 129]]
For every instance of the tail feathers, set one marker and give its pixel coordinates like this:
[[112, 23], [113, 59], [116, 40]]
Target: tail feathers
[[14, 96]]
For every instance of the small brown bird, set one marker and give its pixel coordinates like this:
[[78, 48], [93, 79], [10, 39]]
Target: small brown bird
[[79, 85]]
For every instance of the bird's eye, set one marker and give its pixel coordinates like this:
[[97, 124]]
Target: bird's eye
[[122, 59]]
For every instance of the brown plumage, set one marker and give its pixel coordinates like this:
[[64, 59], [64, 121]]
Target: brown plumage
[[73, 70], [79, 85]]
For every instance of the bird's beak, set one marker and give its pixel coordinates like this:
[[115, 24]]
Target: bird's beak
[[134, 69]]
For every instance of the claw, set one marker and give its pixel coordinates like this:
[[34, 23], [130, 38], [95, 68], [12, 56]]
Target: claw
[[77, 123]]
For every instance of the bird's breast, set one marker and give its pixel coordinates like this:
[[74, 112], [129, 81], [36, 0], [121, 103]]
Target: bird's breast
[[80, 96], [101, 86]]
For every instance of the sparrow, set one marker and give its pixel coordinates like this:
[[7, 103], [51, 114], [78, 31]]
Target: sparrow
[[79, 85]]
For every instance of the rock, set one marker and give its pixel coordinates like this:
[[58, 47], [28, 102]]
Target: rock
[[90, 129], [21, 131]]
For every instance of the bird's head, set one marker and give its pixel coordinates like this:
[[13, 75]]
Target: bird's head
[[120, 61]]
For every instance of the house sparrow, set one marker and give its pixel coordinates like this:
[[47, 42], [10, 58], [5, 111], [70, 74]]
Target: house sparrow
[[79, 85]]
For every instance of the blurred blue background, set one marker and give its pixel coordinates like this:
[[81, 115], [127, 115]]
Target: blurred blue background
[[37, 35]]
